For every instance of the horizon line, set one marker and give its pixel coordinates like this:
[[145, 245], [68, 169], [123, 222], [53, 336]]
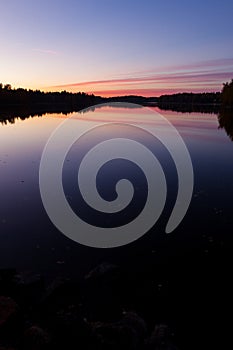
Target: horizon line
[[127, 93]]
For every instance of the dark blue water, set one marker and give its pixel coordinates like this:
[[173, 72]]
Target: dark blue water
[[28, 239]]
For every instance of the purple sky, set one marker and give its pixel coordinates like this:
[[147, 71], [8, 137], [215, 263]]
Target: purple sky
[[117, 47]]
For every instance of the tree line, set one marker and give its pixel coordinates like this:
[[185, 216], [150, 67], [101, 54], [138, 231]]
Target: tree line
[[214, 99], [227, 94], [22, 103], [30, 98], [76, 101], [191, 98]]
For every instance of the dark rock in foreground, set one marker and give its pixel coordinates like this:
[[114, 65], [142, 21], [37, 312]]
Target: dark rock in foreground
[[91, 313], [35, 338], [8, 310], [128, 333]]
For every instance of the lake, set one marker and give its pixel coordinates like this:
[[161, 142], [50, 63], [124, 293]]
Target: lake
[[191, 265]]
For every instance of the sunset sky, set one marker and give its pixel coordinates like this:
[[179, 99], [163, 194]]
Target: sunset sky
[[116, 47]]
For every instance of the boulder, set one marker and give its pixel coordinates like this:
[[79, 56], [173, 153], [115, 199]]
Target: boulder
[[128, 333], [101, 293], [160, 339], [35, 338], [8, 310]]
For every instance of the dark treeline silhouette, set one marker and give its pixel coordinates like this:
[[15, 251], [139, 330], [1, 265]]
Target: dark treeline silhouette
[[9, 115], [23, 97], [190, 101], [218, 103], [227, 94], [225, 119], [225, 114], [50, 100], [207, 102], [23, 103], [190, 108]]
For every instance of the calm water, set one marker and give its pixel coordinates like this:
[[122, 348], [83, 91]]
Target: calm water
[[28, 239]]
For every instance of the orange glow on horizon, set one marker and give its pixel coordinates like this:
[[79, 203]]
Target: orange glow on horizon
[[145, 92], [152, 83], [153, 92]]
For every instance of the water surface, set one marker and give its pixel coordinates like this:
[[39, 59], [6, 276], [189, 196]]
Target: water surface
[[28, 239]]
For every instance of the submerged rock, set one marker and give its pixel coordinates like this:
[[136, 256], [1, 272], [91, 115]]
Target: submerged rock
[[7, 285], [136, 322], [11, 321], [8, 310], [61, 293], [70, 328], [128, 333], [30, 288], [160, 339], [104, 271], [35, 338], [101, 293]]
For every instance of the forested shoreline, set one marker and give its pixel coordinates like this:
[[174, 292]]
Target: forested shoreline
[[36, 101]]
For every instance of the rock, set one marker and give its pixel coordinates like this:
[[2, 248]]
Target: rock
[[70, 328], [136, 322], [63, 292], [59, 304], [160, 339], [128, 333], [35, 338], [101, 294], [29, 288], [115, 336], [104, 271], [8, 310], [60, 294], [7, 275], [11, 322], [7, 285]]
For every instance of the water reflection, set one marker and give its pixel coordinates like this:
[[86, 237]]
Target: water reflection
[[225, 116], [24, 225], [11, 115], [168, 270], [225, 119]]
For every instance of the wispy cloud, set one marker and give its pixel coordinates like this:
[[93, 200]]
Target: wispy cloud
[[221, 63], [196, 77], [178, 78], [49, 52]]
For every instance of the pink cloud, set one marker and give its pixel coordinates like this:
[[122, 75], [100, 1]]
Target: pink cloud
[[225, 63], [201, 76], [49, 52]]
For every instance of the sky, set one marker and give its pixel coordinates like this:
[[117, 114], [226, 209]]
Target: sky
[[117, 47]]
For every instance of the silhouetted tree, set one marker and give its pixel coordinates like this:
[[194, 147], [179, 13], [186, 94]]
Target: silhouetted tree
[[34, 102], [227, 94], [225, 119], [190, 98], [7, 87], [52, 100]]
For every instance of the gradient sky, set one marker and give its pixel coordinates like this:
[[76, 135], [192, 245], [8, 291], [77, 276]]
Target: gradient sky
[[115, 47]]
